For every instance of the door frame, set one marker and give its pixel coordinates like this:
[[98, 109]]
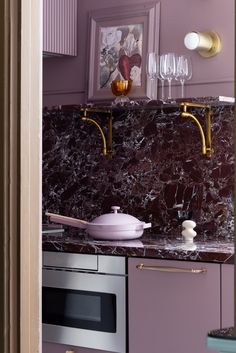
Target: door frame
[[20, 175]]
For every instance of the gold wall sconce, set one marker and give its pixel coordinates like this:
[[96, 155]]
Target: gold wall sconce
[[106, 142], [206, 140], [207, 44]]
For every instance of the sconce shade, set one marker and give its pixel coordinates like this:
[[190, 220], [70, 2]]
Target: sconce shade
[[207, 44]]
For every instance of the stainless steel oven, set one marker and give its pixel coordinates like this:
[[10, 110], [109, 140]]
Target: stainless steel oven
[[84, 300]]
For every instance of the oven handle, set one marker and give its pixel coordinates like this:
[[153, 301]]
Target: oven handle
[[171, 269]]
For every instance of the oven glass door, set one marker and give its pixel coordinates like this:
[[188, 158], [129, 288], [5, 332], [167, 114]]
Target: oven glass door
[[79, 309]]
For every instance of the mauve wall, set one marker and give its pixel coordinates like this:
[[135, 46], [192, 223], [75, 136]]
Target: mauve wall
[[64, 79], [157, 164]]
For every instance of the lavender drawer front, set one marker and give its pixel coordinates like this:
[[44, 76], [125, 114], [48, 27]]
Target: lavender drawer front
[[227, 295], [60, 27], [172, 312]]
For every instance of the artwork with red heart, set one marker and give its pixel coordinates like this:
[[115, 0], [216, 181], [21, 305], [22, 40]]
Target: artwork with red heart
[[126, 63]]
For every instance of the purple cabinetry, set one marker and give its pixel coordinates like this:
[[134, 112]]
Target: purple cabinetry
[[171, 312], [227, 274], [59, 27]]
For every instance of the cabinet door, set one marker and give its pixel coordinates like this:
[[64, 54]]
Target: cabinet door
[[59, 27], [227, 295], [171, 312]]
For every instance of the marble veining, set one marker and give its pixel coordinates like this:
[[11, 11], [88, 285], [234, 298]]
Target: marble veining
[[159, 247], [156, 166]]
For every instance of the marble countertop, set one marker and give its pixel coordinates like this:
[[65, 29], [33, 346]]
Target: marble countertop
[[157, 246]]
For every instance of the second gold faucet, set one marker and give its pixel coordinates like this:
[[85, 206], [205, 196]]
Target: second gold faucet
[[206, 138]]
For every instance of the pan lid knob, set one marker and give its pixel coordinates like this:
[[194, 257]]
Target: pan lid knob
[[115, 208]]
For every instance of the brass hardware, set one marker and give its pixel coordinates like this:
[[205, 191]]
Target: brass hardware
[[207, 44], [107, 147], [206, 140], [215, 47], [171, 269]]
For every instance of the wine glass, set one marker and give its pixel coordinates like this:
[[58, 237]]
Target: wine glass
[[162, 83], [168, 69], [152, 68], [183, 71], [153, 72]]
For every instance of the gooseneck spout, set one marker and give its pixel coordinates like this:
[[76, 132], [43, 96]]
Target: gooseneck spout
[[104, 149], [206, 140], [188, 115], [105, 142]]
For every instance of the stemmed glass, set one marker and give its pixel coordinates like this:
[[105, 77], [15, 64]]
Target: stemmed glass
[[120, 89], [153, 72], [183, 71], [162, 83], [152, 68], [168, 69]]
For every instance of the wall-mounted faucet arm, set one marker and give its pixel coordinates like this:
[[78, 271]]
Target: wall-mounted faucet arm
[[188, 115], [209, 150], [105, 150], [206, 138]]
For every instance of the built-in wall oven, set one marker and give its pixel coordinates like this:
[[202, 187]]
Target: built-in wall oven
[[84, 300]]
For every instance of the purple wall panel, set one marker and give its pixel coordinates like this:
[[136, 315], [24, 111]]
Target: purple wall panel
[[65, 78]]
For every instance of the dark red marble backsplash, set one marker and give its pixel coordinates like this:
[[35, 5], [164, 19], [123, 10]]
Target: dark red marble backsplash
[[157, 165]]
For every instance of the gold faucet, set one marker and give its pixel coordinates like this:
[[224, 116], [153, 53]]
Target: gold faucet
[[206, 140], [105, 150]]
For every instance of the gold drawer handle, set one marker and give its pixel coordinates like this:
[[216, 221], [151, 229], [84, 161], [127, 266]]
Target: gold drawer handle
[[171, 269]]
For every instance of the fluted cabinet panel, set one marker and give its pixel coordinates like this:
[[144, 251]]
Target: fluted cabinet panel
[[60, 27]]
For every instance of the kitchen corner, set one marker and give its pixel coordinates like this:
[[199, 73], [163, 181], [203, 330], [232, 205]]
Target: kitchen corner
[[158, 174], [128, 105]]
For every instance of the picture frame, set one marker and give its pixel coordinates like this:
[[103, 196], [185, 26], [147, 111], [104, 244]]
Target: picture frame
[[120, 38]]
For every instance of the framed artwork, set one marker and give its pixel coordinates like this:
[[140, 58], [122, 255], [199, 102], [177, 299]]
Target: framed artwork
[[120, 38]]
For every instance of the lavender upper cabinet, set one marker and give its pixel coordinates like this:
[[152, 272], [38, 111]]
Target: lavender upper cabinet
[[171, 312], [59, 27], [227, 295]]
